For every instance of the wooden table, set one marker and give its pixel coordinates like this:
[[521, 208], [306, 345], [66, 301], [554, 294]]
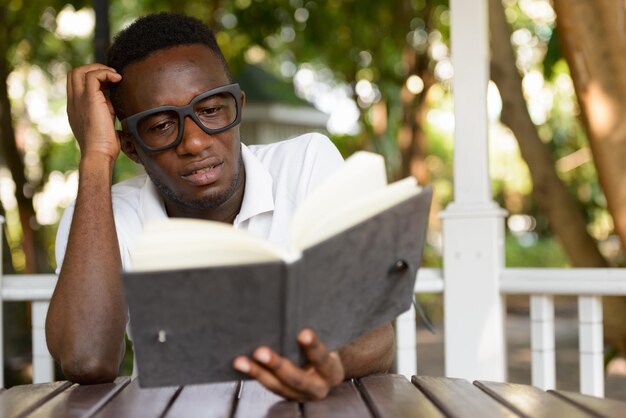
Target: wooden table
[[374, 396]]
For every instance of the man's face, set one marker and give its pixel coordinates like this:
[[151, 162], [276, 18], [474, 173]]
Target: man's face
[[204, 172]]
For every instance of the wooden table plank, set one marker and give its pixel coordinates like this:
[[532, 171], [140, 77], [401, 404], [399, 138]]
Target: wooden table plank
[[210, 400], [342, 401], [19, 401], [256, 401], [134, 402], [459, 398], [80, 401], [529, 401], [598, 406], [394, 396]]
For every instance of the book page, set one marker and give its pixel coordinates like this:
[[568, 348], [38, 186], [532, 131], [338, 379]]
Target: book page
[[361, 208], [354, 193], [362, 173], [178, 243]]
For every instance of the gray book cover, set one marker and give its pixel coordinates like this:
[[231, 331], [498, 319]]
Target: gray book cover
[[189, 325]]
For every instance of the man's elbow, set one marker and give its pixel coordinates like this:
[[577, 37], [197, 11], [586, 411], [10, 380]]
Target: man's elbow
[[88, 371], [86, 365], [389, 353], [371, 353]]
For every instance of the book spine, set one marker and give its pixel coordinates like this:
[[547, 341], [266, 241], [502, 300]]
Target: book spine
[[292, 305]]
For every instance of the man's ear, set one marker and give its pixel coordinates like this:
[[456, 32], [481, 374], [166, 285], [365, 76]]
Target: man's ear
[[243, 100], [128, 146]]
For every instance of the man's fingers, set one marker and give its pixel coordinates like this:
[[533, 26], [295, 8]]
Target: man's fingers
[[83, 70], [278, 374], [266, 378], [281, 376], [94, 80], [306, 381], [328, 364], [90, 77]]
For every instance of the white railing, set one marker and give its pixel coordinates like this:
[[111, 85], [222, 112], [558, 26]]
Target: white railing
[[589, 284], [37, 289], [541, 284], [428, 281]]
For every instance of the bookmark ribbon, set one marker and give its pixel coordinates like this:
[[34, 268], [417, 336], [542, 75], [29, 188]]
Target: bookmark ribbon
[[400, 266]]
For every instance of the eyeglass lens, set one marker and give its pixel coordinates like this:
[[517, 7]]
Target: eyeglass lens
[[162, 128]]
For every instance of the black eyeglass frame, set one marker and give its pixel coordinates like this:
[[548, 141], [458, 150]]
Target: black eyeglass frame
[[130, 123]]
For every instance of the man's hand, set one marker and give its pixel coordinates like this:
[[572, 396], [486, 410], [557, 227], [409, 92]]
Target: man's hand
[[90, 112], [314, 381]]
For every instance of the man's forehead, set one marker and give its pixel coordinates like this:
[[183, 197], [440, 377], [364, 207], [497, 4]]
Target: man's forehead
[[178, 59], [173, 76]]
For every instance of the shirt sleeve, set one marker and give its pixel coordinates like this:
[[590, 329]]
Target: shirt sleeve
[[126, 224], [321, 161], [63, 232]]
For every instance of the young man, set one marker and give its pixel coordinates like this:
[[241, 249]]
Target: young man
[[172, 90]]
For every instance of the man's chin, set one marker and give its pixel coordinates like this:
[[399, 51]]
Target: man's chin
[[209, 202]]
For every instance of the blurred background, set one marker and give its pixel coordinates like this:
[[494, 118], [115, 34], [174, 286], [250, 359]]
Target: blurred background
[[371, 75]]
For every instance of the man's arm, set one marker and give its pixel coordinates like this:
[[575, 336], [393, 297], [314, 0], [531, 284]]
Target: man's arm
[[87, 316], [370, 353]]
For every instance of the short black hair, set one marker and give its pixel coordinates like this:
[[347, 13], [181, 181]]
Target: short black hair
[[154, 32]]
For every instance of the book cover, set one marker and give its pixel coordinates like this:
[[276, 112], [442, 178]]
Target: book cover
[[188, 324]]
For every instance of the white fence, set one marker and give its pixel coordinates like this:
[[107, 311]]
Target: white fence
[[541, 284], [589, 285], [38, 290]]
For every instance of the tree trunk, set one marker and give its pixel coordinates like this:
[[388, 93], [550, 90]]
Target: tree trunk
[[411, 138], [101, 34], [564, 214], [593, 39], [14, 161]]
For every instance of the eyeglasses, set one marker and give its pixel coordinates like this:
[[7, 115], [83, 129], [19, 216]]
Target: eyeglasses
[[214, 111]]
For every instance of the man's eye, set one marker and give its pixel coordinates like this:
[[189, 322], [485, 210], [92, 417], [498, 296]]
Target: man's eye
[[163, 126], [209, 111]]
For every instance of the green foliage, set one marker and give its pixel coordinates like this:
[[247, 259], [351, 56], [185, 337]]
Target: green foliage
[[355, 40], [29, 33], [528, 250], [61, 156], [347, 144], [554, 55]]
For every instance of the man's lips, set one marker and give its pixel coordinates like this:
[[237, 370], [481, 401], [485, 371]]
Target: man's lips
[[203, 174]]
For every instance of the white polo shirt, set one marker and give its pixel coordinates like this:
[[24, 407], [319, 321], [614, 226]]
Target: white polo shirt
[[278, 177]]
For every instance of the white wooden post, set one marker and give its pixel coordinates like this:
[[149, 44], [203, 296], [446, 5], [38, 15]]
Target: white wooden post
[[1, 304], [43, 364], [590, 337], [473, 223], [543, 363], [406, 344]]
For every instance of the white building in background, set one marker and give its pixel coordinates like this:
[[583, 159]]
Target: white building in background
[[272, 111]]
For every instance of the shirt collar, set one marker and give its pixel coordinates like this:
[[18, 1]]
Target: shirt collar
[[152, 206], [258, 194]]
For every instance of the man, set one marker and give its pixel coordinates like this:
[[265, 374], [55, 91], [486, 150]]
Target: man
[[179, 109]]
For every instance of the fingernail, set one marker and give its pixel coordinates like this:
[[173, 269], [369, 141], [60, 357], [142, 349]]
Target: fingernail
[[306, 337], [263, 355], [242, 365]]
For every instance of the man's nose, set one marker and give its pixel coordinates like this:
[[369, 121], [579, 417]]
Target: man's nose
[[194, 139]]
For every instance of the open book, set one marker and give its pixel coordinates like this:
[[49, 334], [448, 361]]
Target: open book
[[200, 292]]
